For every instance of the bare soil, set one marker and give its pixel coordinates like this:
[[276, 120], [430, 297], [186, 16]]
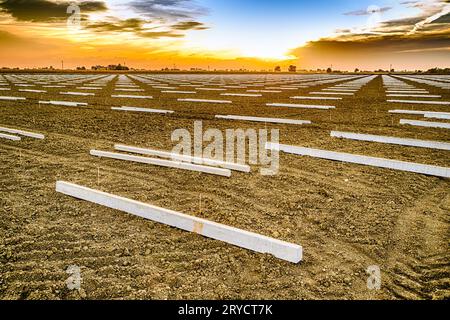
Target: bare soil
[[347, 217]]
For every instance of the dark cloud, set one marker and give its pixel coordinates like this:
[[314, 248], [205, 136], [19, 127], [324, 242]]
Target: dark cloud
[[136, 26], [189, 25], [381, 43], [129, 25], [368, 11], [45, 10], [167, 9], [159, 34], [424, 3], [443, 19], [342, 30], [412, 4], [361, 49], [398, 41], [409, 23], [175, 16], [406, 22]]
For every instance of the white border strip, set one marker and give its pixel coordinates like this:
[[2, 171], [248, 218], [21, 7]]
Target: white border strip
[[12, 98], [437, 115], [32, 90], [183, 158], [134, 109], [9, 137], [421, 102], [413, 95], [126, 96], [204, 101], [162, 163], [179, 92], [64, 103], [23, 133], [333, 93], [258, 119], [364, 160], [418, 112], [315, 98], [301, 106], [241, 95], [428, 124], [238, 237], [72, 93], [392, 140]]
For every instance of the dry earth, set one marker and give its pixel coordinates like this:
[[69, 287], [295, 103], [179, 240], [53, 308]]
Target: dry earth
[[347, 217]]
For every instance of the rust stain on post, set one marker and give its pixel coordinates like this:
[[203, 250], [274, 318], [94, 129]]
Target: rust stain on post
[[198, 227]]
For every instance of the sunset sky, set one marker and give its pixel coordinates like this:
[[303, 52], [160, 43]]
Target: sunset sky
[[228, 34]]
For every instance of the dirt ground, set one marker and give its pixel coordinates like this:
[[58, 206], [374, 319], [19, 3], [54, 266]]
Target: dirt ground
[[347, 217]]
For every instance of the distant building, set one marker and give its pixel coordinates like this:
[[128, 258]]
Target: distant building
[[97, 68], [170, 69], [439, 71], [117, 67], [110, 67]]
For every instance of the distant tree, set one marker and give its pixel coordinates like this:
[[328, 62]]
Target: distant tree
[[392, 70], [356, 70], [292, 68], [439, 71], [277, 69], [329, 70]]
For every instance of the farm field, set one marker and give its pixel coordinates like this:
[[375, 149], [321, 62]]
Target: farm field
[[346, 216]]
